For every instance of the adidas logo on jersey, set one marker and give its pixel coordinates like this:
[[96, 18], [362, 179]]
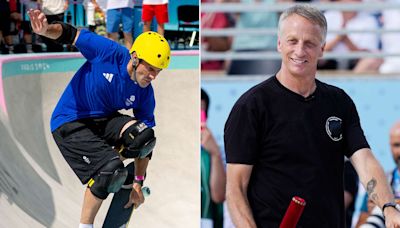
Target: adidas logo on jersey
[[108, 76]]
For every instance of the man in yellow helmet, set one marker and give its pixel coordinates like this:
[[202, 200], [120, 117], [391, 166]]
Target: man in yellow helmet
[[86, 124]]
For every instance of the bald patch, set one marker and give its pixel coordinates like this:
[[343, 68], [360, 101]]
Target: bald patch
[[395, 131]]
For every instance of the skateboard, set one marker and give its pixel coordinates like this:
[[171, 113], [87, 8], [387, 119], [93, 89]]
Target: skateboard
[[118, 216]]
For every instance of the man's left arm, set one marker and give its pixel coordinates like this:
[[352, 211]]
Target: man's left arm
[[374, 180], [136, 197], [147, 142], [140, 172]]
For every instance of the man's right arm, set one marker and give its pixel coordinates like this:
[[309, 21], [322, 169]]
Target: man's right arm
[[42, 27], [238, 176], [217, 171]]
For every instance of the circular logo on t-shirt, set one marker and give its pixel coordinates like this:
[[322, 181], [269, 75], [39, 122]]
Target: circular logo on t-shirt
[[129, 101], [333, 128]]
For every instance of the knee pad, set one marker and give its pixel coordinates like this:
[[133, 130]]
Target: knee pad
[[138, 141], [109, 178]]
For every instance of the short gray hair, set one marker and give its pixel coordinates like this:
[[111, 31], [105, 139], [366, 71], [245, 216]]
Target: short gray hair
[[308, 12]]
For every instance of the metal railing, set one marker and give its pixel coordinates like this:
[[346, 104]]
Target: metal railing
[[270, 55], [279, 7]]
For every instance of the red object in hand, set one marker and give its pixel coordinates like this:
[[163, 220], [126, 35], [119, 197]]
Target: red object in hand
[[203, 118], [293, 213]]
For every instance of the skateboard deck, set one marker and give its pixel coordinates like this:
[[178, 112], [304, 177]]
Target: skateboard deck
[[118, 216]]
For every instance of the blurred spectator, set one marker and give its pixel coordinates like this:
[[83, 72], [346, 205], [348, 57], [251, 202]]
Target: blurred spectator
[[100, 21], [7, 9], [350, 190], [54, 11], [21, 20], [120, 11], [90, 9], [394, 177], [5, 20], [95, 16], [29, 4], [365, 210], [157, 8], [213, 178], [344, 43], [255, 43], [390, 41], [100, 7], [375, 218], [215, 44], [15, 26]]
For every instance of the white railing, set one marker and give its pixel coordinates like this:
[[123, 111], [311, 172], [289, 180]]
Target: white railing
[[206, 55], [273, 31], [279, 7]]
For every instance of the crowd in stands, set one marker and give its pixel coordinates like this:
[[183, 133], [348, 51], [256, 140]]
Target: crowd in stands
[[114, 19], [338, 43]]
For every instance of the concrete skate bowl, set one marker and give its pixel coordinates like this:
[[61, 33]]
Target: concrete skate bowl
[[38, 188]]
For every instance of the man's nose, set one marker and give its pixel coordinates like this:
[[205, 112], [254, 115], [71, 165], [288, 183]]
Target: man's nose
[[299, 49], [152, 76]]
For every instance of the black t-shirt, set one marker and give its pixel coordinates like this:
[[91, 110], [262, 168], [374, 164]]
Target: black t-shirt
[[351, 186], [296, 146]]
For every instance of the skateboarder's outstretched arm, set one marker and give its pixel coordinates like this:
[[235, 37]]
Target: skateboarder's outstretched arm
[[136, 196], [61, 32]]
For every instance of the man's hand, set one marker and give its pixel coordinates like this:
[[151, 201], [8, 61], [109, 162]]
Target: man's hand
[[136, 198], [38, 21], [208, 141], [392, 218]]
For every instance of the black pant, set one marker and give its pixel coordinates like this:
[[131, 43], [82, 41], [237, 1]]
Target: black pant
[[87, 144]]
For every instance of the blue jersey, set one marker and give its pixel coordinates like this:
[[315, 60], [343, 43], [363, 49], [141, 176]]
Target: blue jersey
[[102, 85]]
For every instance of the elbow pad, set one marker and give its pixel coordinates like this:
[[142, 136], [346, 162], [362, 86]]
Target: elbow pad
[[68, 33]]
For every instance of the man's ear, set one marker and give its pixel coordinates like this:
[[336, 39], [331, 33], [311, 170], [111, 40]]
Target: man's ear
[[278, 46], [322, 50], [134, 59]]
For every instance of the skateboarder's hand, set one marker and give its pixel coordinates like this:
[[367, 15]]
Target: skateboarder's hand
[[38, 21], [136, 198]]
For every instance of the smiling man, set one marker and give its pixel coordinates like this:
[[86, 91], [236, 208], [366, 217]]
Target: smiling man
[[287, 137], [86, 124]]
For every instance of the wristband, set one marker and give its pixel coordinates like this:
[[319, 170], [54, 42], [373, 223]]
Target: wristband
[[390, 204], [139, 178]]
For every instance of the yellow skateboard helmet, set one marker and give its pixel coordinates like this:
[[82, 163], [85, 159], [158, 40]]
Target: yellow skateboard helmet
[[152, 48]]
